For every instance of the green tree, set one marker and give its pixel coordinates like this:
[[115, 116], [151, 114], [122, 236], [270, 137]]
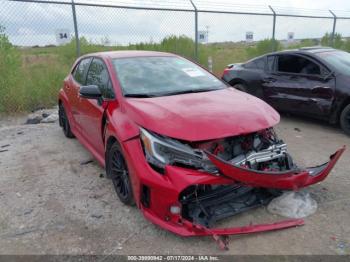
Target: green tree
[[338, 40], [10, 67], [263, 47]]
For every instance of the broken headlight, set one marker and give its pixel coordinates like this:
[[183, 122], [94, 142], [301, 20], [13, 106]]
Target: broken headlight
[[161, 151]]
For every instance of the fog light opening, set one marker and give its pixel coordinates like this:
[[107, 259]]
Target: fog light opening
[[175, 210]]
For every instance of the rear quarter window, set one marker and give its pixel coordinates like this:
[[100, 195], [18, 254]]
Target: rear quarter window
[[79, 72], [256, 64]]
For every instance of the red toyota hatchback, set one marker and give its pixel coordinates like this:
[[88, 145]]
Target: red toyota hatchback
[[176, 141]]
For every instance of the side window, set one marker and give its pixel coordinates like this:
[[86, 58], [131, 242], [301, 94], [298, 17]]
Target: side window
[[80, 70], [298, 65], [260, 63], [271, 63], [98, 75], [256, 64]]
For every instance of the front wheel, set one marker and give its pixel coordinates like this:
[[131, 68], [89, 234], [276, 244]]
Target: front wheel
[[117, 170], [345, 119], [64, 121]]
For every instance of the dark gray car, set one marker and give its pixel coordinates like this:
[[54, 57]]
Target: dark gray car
[[313, 82]]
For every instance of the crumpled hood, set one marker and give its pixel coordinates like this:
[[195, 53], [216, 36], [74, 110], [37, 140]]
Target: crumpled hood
[[202, 116]]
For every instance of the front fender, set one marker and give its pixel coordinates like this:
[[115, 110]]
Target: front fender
[[120, 125]]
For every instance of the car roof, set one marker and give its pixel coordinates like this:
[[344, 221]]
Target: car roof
[[305, 50], [128, 53]]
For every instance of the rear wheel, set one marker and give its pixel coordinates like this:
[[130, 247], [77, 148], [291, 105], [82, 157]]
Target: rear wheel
[[117, 170], [64, 122], [240, 87], [345, 119]]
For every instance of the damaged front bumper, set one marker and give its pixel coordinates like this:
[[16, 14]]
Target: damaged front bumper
[[161, 196], [288, 180]]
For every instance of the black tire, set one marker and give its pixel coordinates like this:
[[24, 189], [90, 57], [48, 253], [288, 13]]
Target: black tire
[[64, 122], [240, 87], [345, 120], [117, 171]]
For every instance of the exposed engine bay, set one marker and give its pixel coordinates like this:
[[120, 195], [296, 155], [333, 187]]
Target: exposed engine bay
[[258, 165], [261, 151]]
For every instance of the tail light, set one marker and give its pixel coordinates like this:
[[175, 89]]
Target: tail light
[[227, 69]]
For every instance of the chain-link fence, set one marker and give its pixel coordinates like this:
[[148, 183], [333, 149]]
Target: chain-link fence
[[40, 39]]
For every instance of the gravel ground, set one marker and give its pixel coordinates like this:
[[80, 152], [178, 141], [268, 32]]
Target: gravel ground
[[51, 203]]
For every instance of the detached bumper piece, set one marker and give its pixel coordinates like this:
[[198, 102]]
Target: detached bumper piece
[[286, 180], [221, 235]]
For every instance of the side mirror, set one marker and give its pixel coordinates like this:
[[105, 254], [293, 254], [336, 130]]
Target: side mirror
[[90, 92], [326, 75]]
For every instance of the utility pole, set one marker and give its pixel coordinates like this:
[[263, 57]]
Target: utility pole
[[273, 28], [77, 41], [334, 25], [207, 34], [195, 30]]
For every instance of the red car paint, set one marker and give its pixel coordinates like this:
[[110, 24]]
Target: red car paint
[[290, 180], [191, 117]]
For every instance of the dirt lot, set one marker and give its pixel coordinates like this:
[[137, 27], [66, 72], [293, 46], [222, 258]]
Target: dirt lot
[[50, 203]]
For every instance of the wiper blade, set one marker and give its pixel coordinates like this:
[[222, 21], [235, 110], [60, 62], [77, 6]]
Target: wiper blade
[[139, 95], [169, 93], [188, 91]]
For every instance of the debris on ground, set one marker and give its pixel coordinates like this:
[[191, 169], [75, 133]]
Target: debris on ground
[[98, 216], [42, 116], [86, 162], [341, 248], [45, 114], [293, 205], [50, 118], [34, 119], [297, 129]]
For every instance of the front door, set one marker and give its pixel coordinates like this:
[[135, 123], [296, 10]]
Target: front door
[[92, 110], [72, 87], [300, 85]]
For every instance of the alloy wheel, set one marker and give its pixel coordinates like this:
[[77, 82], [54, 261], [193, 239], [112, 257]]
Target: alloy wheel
[[120, 176]]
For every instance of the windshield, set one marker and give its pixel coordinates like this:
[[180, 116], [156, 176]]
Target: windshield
[[339, 60], [161, 76]]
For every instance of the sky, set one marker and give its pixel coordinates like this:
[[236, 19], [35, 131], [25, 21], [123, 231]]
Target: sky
[[29, 24]]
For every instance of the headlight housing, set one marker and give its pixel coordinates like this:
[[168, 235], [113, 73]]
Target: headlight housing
[[161, 151]]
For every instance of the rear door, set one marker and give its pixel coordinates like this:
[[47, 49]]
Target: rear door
[[252, 74], [91, 109], [296, 83], [76, 80]]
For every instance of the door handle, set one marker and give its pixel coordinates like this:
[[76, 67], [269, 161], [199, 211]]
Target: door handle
[[269, 79], [321, 87], [312, 100]]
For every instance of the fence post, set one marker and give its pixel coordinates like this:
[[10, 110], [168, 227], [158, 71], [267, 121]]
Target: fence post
[[195, 30], [334, 25], [76, 32], [273, 28]]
